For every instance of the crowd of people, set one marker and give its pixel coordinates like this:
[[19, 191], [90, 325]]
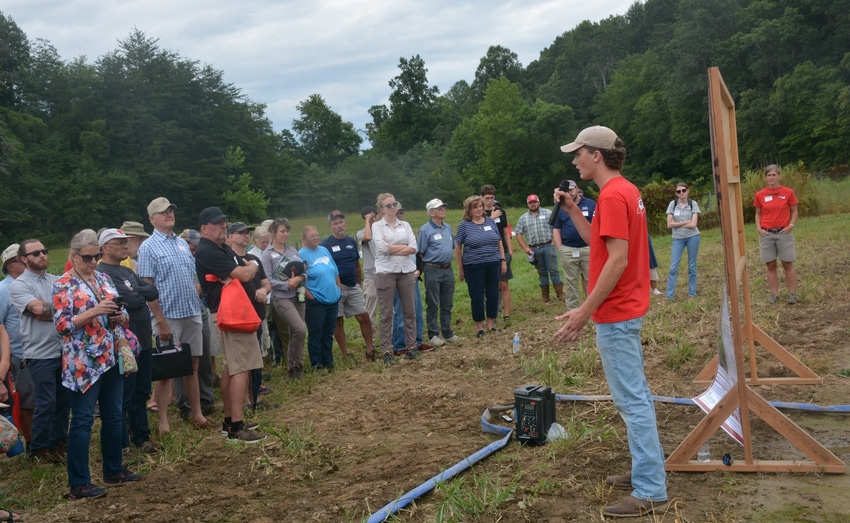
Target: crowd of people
[[85, 340]]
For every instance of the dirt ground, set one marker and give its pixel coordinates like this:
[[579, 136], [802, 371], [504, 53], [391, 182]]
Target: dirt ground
[[378, 433]]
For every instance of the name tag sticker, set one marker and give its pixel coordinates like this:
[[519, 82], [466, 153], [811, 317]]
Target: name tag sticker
[[497, 220], [584, 213], [335, 248], [576, 253], [488, 228], [541, 217], [677, 212], [438, 236], [768, 198]]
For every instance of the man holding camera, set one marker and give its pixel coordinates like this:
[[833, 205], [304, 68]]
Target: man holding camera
[[535, 238], [575, 254], [136, 293]]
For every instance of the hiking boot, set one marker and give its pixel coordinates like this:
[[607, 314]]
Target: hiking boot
[[388, 358], [412, 354], [792, 299], [632, 507], [437, 342], [86, 491], [621, 482], [125, 476], [247, 436]]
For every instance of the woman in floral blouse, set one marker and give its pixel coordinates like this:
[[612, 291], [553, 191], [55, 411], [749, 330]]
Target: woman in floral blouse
[[90, 322]]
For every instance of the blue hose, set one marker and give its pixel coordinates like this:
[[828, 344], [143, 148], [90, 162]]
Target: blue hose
[[407, 498]]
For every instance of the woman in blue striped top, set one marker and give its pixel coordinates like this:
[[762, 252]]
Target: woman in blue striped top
[[480, 260]]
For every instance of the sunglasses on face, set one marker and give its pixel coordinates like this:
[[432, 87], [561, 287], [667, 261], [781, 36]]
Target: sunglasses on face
[[680, 191], [392, 205], [37, 253], [88, 258]]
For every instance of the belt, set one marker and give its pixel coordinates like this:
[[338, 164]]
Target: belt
[[439, 265], [540, 245], [778, 229]]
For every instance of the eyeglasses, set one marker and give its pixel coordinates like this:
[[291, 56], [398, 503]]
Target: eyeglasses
[[170, 210], [392, 205], [680, 191], [118, 242], [88, 258], [36, 253]]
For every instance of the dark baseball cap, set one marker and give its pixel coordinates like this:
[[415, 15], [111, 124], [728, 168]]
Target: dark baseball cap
[[211, 215], [333, 215], [238, 227]]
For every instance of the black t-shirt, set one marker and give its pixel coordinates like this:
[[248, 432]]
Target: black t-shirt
[[136, 293], [256, 283], [501, 223], [216, 260]]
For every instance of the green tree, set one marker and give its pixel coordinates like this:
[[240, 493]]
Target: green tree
[[324, 138]]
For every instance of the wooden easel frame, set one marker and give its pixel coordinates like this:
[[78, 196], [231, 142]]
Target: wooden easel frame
[[724, 148]]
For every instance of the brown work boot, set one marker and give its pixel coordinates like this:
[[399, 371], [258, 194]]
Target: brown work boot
[[623, 482], [559, 291], [545, 292], [632, 507]]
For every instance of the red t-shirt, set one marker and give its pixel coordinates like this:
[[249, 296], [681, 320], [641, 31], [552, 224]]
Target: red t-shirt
[[775, 205], [620, 214]]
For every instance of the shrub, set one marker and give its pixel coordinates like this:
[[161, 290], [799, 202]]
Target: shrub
[[658, 195]]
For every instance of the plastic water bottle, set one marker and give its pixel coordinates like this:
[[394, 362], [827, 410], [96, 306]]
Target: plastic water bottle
[[516, 343], [704, 455]]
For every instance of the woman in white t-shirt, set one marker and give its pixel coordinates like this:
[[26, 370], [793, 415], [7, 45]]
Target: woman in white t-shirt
[[682, 216]]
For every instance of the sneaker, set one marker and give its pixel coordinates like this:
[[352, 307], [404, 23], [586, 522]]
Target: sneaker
[[125, 476], [632, 507], [412, 354], [424, 347], [772, 298], [388, 358], [125, 451], [149, 447], [792, 299], [656, 292], [249, 437], [454, 339], [264, 390], [494, 330], [371, 355], [436, 341], [246, 425], [506, 323], [86, 491], [481, 334]]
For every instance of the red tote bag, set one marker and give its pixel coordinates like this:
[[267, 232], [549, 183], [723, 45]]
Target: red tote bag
[[236, 312]]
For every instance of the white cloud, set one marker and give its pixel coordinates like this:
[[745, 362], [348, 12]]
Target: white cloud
[[281, 52]]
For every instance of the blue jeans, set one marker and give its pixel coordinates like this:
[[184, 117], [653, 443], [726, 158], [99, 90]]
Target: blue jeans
[[679, 245], [622, 359], [50, 419], [137, 392], [439, 296], [547, 264], [108, 390], [321, 323], [398, 319]]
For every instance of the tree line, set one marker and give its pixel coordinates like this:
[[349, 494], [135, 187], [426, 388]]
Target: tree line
[[88, 144]]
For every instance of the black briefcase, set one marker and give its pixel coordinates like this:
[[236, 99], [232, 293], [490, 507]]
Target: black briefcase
[[170, 361]]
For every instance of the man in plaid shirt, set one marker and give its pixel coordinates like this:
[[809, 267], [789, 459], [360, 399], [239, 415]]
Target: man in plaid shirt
[[534, 236]]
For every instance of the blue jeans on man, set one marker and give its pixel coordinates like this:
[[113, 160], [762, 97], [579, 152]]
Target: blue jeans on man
[[679, 245], [439, 297], [321, 324], [547, 264], [398, 320], [622, 360], [108, 391], [137, 392], [50, 419]]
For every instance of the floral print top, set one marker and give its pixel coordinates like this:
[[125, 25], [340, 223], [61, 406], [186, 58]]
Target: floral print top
[[87, 351]]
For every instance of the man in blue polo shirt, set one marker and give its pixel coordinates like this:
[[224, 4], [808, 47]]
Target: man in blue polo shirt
[[343, 249], [575, 254], [436, 250]]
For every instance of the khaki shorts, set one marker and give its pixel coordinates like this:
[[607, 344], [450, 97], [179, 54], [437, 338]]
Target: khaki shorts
[[775, 245], [351, 302], [241, 350]]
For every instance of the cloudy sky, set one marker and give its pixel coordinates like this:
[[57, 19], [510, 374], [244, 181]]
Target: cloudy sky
[[279, 52]]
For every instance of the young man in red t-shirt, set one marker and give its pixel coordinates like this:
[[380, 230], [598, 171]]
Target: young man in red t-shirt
[[776, 213], [617, 301]]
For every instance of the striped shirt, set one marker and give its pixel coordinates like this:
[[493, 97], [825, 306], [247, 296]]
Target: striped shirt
[[480, 241], [167, 260]]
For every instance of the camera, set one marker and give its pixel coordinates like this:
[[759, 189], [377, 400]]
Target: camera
[[119, 301]]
